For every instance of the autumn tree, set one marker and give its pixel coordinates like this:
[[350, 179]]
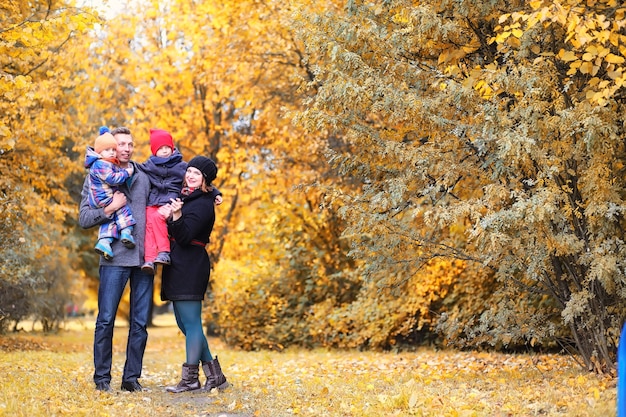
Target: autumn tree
[[503, 122], [36, 133], [224, 80], [220, 79], [459, 135]]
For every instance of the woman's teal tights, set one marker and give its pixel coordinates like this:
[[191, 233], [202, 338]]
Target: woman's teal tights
[[189, 319]]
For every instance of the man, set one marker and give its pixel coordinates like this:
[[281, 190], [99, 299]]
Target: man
[[115, 273]]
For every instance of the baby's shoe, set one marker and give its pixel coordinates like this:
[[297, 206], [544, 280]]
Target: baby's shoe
[[148, 268], [103, 247], [127, 238], [163, 258]]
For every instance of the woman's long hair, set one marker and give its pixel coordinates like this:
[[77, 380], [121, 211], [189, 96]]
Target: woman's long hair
[[206, 188]]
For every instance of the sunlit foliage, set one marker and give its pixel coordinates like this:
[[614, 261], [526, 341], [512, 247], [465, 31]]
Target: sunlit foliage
[[36, 134]]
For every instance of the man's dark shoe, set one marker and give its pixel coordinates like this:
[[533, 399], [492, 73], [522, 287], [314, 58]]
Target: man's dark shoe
[[131, 386], [103, 386]]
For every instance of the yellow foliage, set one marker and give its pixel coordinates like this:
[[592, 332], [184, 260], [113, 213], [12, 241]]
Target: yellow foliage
[[592, 32], [37, 129]]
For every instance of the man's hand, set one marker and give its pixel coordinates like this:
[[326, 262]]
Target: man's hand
[[119, 200]]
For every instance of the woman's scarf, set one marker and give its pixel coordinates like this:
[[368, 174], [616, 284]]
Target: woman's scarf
[[188, 190]]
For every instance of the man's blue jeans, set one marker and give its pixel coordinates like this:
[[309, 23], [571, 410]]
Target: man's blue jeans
[[113, 280]]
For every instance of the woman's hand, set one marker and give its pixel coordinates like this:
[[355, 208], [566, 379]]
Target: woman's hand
[[176, 206]]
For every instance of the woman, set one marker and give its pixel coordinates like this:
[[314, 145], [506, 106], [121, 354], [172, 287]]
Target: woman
[[185, 280]]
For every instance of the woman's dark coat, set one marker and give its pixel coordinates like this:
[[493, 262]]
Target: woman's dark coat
[[187, 277]]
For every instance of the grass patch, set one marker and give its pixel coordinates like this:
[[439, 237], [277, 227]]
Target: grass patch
[[51, 375]]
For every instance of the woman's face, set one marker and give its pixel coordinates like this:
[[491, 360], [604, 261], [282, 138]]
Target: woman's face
[[193, 177]]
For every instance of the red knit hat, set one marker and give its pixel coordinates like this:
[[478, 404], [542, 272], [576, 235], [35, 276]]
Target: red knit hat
[[160, 138]]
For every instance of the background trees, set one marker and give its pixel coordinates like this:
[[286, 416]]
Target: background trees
[[448, 172], [505, 125], [37, 59]]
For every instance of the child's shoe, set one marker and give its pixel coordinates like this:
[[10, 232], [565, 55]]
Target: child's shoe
[[103, 247], [148, 268], [127, 238], [163, 258]]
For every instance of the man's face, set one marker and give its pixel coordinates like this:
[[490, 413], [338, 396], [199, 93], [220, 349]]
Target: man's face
[[125, 147]]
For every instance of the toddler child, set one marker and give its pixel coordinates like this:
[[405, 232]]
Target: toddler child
[[105, 176]]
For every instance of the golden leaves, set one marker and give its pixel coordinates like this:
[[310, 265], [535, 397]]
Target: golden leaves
[[614, 59], [592, 45], [300, 382], [453, 54], [567, 56]]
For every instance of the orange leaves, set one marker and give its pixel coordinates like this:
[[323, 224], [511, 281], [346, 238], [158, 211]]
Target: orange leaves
[[38, 125], [29, 47]]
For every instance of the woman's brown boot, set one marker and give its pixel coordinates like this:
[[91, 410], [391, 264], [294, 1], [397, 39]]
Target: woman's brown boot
[[214, 376], [190, 380]]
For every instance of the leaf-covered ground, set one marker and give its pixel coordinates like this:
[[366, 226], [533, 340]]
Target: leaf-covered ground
[[50, 375]]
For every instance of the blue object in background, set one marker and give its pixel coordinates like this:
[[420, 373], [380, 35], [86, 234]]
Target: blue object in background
[[621, 374]]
